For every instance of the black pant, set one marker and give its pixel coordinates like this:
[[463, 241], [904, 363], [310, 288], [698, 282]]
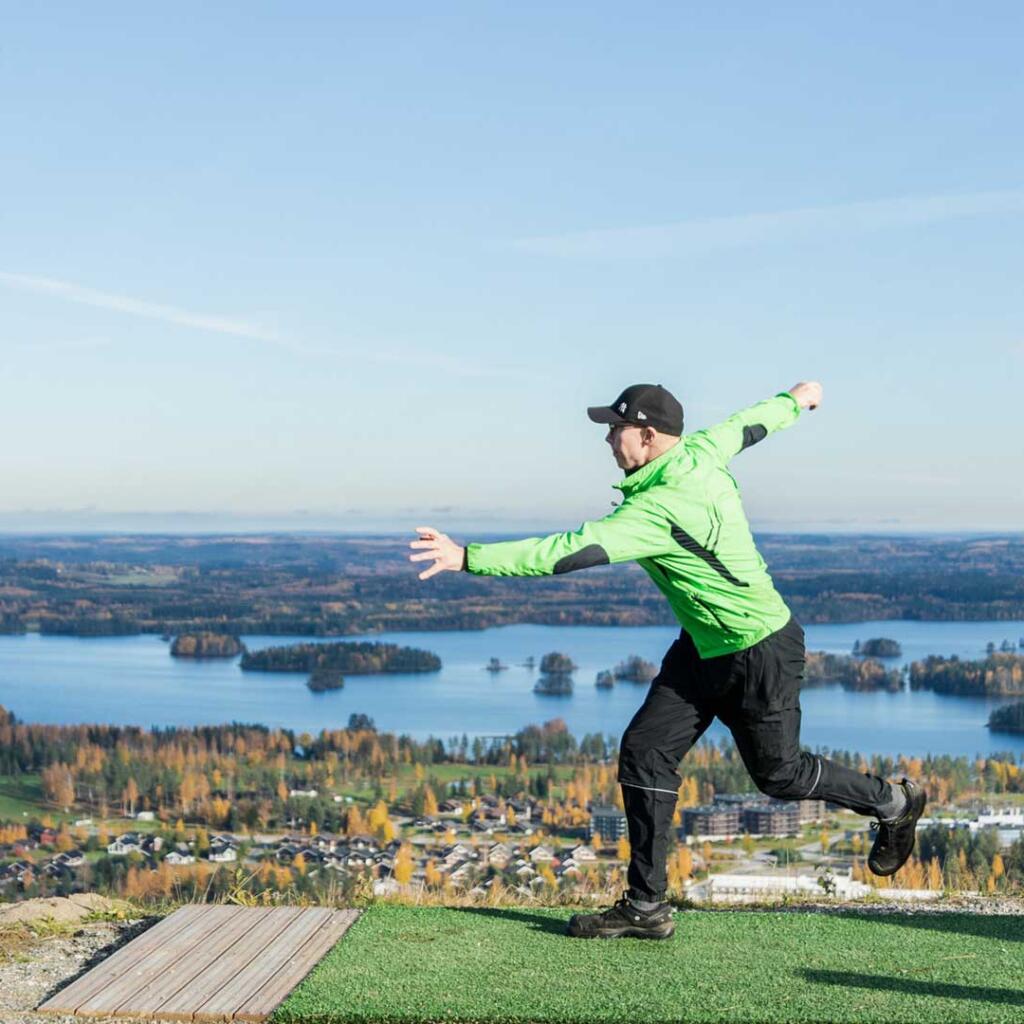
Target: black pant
[[756, 693]]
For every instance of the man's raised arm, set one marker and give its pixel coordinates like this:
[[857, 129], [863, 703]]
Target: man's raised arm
[[756, 422], [636, 529]]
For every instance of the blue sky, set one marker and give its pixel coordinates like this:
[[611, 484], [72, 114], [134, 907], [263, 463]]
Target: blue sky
[[312, 265]]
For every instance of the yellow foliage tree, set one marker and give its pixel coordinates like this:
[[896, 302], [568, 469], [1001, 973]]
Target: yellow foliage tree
[[622, 850], [429, 801], [378, 815], [355, 823], [431, 875], [64, 840], [402, 871]]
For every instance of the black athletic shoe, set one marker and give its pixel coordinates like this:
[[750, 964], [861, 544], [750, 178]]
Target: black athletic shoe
[[623, 920], [895, 839]]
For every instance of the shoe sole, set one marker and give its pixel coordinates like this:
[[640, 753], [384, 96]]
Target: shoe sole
[[625, 933], [892, 871]]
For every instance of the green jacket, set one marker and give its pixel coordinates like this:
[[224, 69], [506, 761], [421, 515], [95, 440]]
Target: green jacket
[[682, 520]]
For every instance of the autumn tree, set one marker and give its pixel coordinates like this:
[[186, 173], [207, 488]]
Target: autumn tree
[[402, 870], [429, 801]]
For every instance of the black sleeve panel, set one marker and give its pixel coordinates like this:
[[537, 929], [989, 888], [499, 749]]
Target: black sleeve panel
[[592, 554], [753, 434]]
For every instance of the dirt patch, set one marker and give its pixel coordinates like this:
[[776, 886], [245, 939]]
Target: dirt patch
[[56, 909]]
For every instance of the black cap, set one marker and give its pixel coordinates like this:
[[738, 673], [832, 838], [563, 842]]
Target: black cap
[[645, 405]]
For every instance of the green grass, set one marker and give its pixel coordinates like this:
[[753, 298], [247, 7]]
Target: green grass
[[515, 965], [21, 798]]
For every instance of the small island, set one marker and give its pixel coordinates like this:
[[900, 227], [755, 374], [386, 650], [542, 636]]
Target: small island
[[353, 658], [556, 674], [998, 675], [635, 670], [556, 663], [323, 679], [878, 647], [555, 685], [1009, 718], [495, 665], [206, 645], [860, 675], [605, 680]]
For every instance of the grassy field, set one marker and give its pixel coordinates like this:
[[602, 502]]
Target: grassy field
[[516, 965], [21, 798]]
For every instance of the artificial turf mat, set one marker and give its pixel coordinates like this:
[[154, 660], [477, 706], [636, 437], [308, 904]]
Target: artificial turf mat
[[514, 964]]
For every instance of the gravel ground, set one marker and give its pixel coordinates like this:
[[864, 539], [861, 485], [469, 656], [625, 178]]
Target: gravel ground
[[46, 964], [49, 963]]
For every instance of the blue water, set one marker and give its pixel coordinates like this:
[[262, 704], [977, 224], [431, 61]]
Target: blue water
[[134, 680]]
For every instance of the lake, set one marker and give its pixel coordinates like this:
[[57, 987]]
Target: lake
[[134, 680]]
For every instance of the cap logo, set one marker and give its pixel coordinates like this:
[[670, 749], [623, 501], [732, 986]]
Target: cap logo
[[640, 415], [622, 407]]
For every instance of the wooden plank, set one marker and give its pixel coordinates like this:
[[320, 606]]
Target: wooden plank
[[208, 962], [69, 998], [192, 964], [182, 944], [261, 932], [273, 958], [263, 1001]]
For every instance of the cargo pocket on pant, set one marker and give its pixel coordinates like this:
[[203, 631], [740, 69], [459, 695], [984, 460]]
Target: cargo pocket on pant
[[775, 671]]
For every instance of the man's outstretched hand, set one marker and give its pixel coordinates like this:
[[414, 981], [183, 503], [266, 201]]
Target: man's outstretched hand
[[807, 393], [438, 546]]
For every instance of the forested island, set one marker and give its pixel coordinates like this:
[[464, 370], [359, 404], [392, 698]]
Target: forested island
[[1009, 718], [364, 657], [206, 645], [1000, 674], [556, 664], [878, 647], [322, 679], [635, 670], [332, 585], [856, 674], [556, 674]]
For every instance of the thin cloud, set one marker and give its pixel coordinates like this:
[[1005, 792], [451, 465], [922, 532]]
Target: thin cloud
[[124, 304], [699, 236], [366, 352]]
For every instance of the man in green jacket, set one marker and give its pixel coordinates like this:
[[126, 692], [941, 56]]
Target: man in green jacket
[[740, 653]]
